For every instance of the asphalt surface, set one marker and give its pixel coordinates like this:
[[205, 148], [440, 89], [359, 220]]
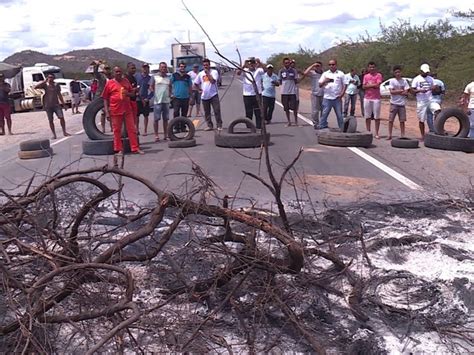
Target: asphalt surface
[[324, 176]]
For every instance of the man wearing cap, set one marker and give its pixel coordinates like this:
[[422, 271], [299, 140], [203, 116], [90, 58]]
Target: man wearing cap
[[5, 114], [269, 82], [251, 93], [144, 97], [426, 107], [314, 71], [195, 98]]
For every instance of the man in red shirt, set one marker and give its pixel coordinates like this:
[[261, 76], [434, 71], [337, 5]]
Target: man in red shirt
[[116, 95]]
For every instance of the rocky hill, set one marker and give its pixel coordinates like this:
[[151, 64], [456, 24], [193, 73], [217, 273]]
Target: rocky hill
[[71, 62]]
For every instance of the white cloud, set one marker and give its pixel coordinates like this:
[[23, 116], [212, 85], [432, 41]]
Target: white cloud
[[146, 30]]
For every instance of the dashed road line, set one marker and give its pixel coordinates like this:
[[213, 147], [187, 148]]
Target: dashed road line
[[386, 169]]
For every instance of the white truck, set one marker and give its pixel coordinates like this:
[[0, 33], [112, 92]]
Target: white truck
[[23, 94], [189, 53]]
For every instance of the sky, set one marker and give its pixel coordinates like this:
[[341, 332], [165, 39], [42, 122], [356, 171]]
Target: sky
[[146, 30]]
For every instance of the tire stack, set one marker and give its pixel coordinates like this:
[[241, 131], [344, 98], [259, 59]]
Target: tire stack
[[176, 124], [35, 148], [239, 139], [457, 142], [98, 143]]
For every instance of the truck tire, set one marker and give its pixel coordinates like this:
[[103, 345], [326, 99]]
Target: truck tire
[[350, 124], [436, 141], [182, 143], [248, 123], [404, 142], [89, 123], [447, 113], [179, 121], [35, 154], [103, 147], [341, 139], [34, 144], [240, 140]]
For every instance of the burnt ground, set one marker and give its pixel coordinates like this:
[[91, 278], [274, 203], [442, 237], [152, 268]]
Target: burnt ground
[[376, 279]]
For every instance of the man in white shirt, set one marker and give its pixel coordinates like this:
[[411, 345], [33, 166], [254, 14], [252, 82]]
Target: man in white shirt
[[426, 107], [399, 88], [207, 81], [314, 71], [334, 84], [250, 75], [468, 104], [352, 82]]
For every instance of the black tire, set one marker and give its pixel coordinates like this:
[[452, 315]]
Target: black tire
[[341, 139], [447, 113], [34, 144], [248, 123], [405, 143], [88, 120], [449, 143], [350, 124], [239, 140], [35, 154], [103, 147], [183, 143], [177, 122]]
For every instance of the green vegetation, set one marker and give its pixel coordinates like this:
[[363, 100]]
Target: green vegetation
[[448, 50]]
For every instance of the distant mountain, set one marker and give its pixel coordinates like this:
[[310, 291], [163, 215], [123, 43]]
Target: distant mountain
[[73, 62]]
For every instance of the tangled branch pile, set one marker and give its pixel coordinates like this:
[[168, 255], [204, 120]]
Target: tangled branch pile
[[85, 270]]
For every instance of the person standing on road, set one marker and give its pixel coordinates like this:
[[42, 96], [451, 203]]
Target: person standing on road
[[131, 72], [116, 95], [362, 91], [468, 105], [251, 74], [206, 80], [75, 88], [5, 112], [182, 87], [144, 97], [352, 82], [334, 83], [288, 77], [102, 78], [269, 82], [372, 99], [399, 89], [195, 99], [160, 85], [426, 107], [53, 103], [439, 89], [314, 71]]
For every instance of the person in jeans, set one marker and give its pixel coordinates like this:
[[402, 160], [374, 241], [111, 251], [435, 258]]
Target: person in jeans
[[144, 97], [269, 82], [352, 82], [207, 81], [181, 85], [251, 74], [5, 114], [160, 85], [314, 71], [116, 95], [399, 89], [53, 103], [334, 84]]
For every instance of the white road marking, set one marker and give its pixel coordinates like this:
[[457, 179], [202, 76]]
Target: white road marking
[[397, 176], [54, 143]]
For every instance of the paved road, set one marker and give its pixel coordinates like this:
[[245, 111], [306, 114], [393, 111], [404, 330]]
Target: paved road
[[324, 175]]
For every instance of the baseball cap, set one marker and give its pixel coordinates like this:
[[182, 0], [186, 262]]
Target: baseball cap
[[269, 66], [196, 66], [425, 68], [145, 65], [1, 75]]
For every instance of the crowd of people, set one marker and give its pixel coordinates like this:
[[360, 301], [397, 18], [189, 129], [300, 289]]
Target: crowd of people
[[128, 96]]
